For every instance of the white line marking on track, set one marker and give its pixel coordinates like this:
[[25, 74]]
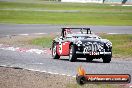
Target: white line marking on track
[[37, 51], [68, 75], [56, 73], [74, 76], [24, 34], [63, 74], [49, 72], [39, 33]]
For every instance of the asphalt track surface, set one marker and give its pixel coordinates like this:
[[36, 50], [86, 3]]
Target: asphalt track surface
[[12, 29], [44, 62]]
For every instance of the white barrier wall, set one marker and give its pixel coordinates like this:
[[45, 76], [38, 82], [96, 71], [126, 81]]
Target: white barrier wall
[[84, 1], [119, 1]]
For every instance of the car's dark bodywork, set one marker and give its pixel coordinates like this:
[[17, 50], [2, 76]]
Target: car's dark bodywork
[[81, 43]]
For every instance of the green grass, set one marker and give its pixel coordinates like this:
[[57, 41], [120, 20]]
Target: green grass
[[122, 44], [88, 18], [44, 41], [89, 14], [66, 6]]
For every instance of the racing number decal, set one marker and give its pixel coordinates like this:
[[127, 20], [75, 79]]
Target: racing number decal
[[63, 48]]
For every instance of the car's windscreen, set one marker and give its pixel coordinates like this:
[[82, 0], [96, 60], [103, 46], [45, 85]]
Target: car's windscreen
[[78, 31], [81, 37]]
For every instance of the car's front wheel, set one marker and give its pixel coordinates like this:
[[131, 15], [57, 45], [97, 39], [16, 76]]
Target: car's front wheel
[[54, 52], [107, 58], [72, 54]]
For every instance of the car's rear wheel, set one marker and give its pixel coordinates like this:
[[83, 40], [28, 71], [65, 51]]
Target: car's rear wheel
[[54, 52], [107, 58], [72, 54]]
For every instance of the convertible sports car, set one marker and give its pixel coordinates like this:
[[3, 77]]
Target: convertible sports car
[[81, 43]]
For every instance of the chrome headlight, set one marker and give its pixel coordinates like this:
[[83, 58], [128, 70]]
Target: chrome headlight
[[109, 44]]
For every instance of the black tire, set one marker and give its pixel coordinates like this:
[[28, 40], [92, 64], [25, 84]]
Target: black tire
[[72, 54], [81, 80], [107, 58], [54, 52], [89, 59]]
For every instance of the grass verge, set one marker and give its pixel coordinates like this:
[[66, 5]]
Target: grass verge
[[45, 41], [122, 44], [86, 14]]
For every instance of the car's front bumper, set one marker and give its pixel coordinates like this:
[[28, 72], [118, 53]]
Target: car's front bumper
[[94, 53]]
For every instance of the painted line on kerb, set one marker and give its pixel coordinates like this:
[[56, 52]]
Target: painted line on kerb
[[26, 50]]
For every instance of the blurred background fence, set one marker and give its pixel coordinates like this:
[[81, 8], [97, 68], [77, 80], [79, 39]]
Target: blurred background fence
[[96, 1]]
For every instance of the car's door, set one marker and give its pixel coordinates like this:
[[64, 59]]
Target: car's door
[[63, 47]]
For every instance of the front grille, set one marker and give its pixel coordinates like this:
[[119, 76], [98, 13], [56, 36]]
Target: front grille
[[92, 46], [95, 47]]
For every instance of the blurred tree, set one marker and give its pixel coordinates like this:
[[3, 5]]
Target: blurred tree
[[124, 1], [103, 1]]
